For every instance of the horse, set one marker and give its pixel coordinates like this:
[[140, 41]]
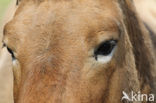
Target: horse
[[81, 51]]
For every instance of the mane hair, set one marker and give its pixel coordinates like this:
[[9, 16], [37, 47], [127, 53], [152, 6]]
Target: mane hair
[[152, 35], [140, 40]]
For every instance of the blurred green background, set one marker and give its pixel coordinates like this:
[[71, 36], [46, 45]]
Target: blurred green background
[[3, 6]]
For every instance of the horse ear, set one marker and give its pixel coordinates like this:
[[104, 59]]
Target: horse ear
[[142, 46]]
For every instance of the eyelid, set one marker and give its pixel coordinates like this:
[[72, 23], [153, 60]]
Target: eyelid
[[116, 41], [108, 35]]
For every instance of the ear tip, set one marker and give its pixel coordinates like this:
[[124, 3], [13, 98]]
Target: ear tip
[[17, 2]]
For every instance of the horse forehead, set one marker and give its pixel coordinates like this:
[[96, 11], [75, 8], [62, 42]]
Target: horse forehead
[[63, 20], [47, 9], [66, 13]]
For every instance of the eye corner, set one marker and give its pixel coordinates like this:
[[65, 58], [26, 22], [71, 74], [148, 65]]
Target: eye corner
[[3, 44]]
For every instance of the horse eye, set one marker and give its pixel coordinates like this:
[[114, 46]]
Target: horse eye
[[10, 51], [105, 48]]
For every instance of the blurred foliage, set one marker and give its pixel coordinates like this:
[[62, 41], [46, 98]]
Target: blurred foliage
[[3, 6]]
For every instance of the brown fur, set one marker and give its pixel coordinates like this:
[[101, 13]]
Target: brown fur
[[54, 42]]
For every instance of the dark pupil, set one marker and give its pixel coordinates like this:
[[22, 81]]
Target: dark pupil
[[105, 48]]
